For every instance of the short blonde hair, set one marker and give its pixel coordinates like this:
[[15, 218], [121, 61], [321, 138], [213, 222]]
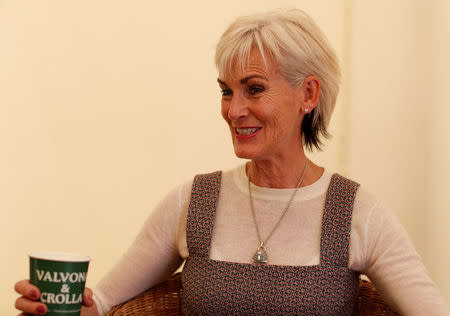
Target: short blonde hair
[[299, 48]]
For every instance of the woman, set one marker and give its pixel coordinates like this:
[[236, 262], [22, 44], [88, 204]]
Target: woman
[[279, 234]]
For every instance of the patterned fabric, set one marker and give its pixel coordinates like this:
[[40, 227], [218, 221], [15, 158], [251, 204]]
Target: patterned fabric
[[213, 287]]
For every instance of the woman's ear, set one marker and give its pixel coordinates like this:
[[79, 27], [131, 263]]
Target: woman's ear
[[310, 92]]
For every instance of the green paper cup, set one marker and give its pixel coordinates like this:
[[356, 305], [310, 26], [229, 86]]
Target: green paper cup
[[60, 277]]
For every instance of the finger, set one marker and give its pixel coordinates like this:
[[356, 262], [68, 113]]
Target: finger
[[30, 307], [87, 297], [27, 289]]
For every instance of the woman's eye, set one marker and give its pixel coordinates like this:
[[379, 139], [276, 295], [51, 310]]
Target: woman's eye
[[255, 90], [225, 92]]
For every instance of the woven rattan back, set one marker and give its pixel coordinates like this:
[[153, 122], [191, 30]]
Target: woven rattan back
[[162, 299], [369, 301], [165, 299]]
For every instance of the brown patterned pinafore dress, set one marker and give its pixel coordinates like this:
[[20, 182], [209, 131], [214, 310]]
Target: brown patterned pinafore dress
[[213, 287]]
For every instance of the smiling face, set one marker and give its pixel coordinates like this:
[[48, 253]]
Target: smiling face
[[263, 112]]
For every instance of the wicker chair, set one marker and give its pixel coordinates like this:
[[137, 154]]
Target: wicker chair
[[164, 299]]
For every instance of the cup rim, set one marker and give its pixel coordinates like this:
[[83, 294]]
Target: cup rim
[[59, 256]]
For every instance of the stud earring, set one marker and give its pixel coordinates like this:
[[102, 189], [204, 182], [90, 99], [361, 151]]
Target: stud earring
[[306, 110]]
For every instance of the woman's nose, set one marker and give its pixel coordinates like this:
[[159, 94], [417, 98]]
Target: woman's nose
[[238, 107]]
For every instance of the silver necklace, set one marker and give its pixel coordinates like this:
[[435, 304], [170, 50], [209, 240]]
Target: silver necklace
[[260, 255]]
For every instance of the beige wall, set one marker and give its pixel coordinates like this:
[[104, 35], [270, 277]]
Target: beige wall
[[438, 147], [399, 118], [105, 106]]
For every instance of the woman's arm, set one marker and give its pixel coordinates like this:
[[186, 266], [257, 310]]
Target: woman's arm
[[152, 257], [396, 269]]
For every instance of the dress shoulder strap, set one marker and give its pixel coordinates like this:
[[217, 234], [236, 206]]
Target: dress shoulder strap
[[337, 220], [201, 212]]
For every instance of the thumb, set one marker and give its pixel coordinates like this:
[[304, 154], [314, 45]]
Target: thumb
[[87, 297]]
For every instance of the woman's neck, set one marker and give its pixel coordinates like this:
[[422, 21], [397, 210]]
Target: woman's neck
[[283, 175]]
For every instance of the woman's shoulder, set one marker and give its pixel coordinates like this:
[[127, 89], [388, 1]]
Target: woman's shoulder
[[366, 201], [366, 204], [372, 217], [364, 197], [182, 191]]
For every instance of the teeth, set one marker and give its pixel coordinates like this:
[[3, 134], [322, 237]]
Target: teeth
[[246, 131]]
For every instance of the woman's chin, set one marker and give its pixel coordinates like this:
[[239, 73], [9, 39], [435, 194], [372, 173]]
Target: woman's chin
[[244, 154]]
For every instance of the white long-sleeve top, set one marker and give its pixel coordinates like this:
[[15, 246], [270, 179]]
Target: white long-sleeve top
[[379, 246]]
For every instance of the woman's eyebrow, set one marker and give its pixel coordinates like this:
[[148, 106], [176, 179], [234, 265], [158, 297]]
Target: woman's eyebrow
[[221, 82], [243, 80]]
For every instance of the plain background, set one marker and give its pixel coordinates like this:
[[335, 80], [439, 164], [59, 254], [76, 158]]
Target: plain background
[[107, 105]]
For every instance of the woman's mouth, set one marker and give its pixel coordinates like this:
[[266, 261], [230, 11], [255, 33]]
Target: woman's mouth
[[246, 132]]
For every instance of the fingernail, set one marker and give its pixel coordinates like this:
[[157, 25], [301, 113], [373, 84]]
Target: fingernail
[[40, 309], [34, 294]]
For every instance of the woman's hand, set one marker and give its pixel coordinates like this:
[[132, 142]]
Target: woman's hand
[[29, 303]]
